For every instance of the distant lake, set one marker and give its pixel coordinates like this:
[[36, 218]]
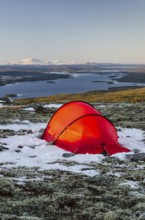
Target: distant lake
[[76, 84]]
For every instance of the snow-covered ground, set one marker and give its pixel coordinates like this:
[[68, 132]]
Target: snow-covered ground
[[31, 151]]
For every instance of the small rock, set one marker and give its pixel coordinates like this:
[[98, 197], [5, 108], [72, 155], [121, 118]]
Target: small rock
[[68, 155], [38, 107], [17, 151], [2, 148], [20, 146], [136, 157], [32, 147], [136, 151], [7, 99]]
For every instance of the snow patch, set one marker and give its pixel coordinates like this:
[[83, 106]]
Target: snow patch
[[132, 184], [52, 106], [31, 151]]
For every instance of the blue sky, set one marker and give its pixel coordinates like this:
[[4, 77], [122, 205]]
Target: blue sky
[[73, 30]]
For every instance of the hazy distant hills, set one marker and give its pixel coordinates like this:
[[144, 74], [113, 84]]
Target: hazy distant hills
[[28, 61], [32, 69], [35, 61], [33, 66]]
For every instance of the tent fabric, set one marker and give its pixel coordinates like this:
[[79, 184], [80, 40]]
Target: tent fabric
[[79, 128]]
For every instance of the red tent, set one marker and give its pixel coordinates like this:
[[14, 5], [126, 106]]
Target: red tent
[[79, 128]]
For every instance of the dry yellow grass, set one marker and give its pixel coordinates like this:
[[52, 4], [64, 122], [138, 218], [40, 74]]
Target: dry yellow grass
[[131, 95]]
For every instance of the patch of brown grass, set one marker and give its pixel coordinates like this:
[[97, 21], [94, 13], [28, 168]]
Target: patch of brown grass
[[131, 96]]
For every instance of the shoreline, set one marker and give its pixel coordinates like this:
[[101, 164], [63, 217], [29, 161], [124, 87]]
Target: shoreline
[[131, 75], [132, 95]]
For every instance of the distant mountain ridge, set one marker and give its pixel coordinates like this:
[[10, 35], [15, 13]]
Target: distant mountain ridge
[[35, 61], [28, 61]]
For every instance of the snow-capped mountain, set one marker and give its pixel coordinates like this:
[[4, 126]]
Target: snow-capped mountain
[[57, 62], [29, 61], [34, 61]]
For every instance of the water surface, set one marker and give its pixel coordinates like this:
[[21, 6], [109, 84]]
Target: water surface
[[76, 84]]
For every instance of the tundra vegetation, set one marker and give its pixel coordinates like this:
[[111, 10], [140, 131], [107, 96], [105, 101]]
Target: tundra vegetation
[[30, 193]]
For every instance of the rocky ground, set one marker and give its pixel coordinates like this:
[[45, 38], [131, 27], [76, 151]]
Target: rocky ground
[[117, 193]]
